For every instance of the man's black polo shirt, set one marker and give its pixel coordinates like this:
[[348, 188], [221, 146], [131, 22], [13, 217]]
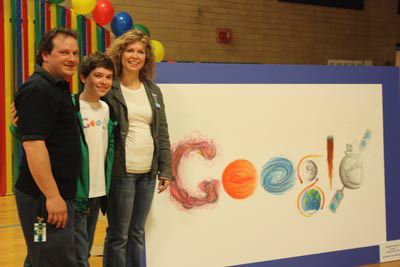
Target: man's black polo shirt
[[46, 113]]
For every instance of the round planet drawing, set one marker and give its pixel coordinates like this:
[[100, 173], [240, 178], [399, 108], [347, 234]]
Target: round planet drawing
[[239, 179], [351, 171], [310, 201], [308, 170]]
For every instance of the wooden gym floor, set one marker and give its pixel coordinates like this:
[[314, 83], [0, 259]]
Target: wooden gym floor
[[12, 245]]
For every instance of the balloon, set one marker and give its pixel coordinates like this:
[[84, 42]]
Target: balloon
[[83, 7], [55, 1], [103, 12], [142, 28], [158, 50], [121, 23]]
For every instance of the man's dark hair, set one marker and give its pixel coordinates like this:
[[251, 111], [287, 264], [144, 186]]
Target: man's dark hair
[[95, 60], [46, 44]]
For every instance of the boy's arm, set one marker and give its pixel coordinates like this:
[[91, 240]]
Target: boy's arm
[[15, 132], [13, 126]]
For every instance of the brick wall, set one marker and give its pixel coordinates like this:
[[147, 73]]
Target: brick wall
[[269, 31]]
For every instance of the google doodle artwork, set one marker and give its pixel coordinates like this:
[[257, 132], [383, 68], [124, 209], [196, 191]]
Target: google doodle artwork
[[260, 168]]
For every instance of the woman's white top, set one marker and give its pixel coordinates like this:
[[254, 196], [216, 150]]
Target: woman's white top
[[139, 145]]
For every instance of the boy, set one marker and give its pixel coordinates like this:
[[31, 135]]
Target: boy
[[97, 143]]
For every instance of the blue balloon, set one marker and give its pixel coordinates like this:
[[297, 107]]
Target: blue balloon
[[121, 23]]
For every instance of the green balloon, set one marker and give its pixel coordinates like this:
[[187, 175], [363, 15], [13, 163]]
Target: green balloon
[[142, 28], [55, 1]]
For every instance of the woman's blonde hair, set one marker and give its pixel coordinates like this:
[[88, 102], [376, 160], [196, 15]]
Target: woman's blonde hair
[[118, 47]]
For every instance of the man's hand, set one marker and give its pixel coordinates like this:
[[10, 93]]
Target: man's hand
[[57, 211]]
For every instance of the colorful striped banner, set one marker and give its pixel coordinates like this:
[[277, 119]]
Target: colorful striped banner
[[19, 52], [26, 21], [13, 74], [53, 15], [42, 17], [107, 38], [31, 35], [17, 64], [13, 36], [59, 16], [68, 18], [100, 38], [47, 16], [25, 47], [37, 24], [88, 34], [93, 37], [9, 73], [82, 34], [82, 41], [3, 153], [74, 26]]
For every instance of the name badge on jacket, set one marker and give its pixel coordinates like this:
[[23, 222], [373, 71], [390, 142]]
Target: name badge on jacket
[[155, 98]]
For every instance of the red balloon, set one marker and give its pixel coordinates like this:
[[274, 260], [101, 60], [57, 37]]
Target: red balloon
[[103, 12]]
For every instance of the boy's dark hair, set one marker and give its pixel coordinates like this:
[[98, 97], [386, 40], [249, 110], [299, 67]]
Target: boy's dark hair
[[46, 44], [95, 60]]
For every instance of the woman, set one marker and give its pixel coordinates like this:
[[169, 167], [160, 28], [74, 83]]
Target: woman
[[142, 149]]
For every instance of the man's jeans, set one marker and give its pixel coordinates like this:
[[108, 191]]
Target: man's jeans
[[85, 226], [59, 249], [128, 205]]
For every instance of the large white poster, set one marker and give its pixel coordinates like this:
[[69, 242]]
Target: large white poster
[[269, 171]]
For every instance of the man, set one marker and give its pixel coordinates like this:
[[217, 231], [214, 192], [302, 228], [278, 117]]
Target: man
[[51, 162]]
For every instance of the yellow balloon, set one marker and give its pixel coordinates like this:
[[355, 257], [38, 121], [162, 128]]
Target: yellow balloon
[[158, 50], [83, 7]]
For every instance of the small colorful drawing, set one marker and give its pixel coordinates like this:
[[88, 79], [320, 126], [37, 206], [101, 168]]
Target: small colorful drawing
[[277, 176], [329, 158], [239, 179], [350, 170], [307, 168], [208, 189], [311, 200]]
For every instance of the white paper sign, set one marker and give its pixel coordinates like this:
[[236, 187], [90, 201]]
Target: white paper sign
[[390, 251]]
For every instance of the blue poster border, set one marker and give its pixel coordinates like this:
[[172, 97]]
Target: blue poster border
[[200, 73]]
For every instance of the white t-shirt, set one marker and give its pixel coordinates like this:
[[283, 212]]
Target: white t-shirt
[[139, 145], [95, 117]]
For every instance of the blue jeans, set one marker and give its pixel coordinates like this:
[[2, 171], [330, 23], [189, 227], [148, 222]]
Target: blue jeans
[[85, 226], [128, 205], [59, 249]]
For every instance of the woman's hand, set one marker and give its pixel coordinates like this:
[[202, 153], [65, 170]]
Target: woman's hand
[[163, 184]]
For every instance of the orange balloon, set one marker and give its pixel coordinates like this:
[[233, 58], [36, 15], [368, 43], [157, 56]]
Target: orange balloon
[[239, 179]]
